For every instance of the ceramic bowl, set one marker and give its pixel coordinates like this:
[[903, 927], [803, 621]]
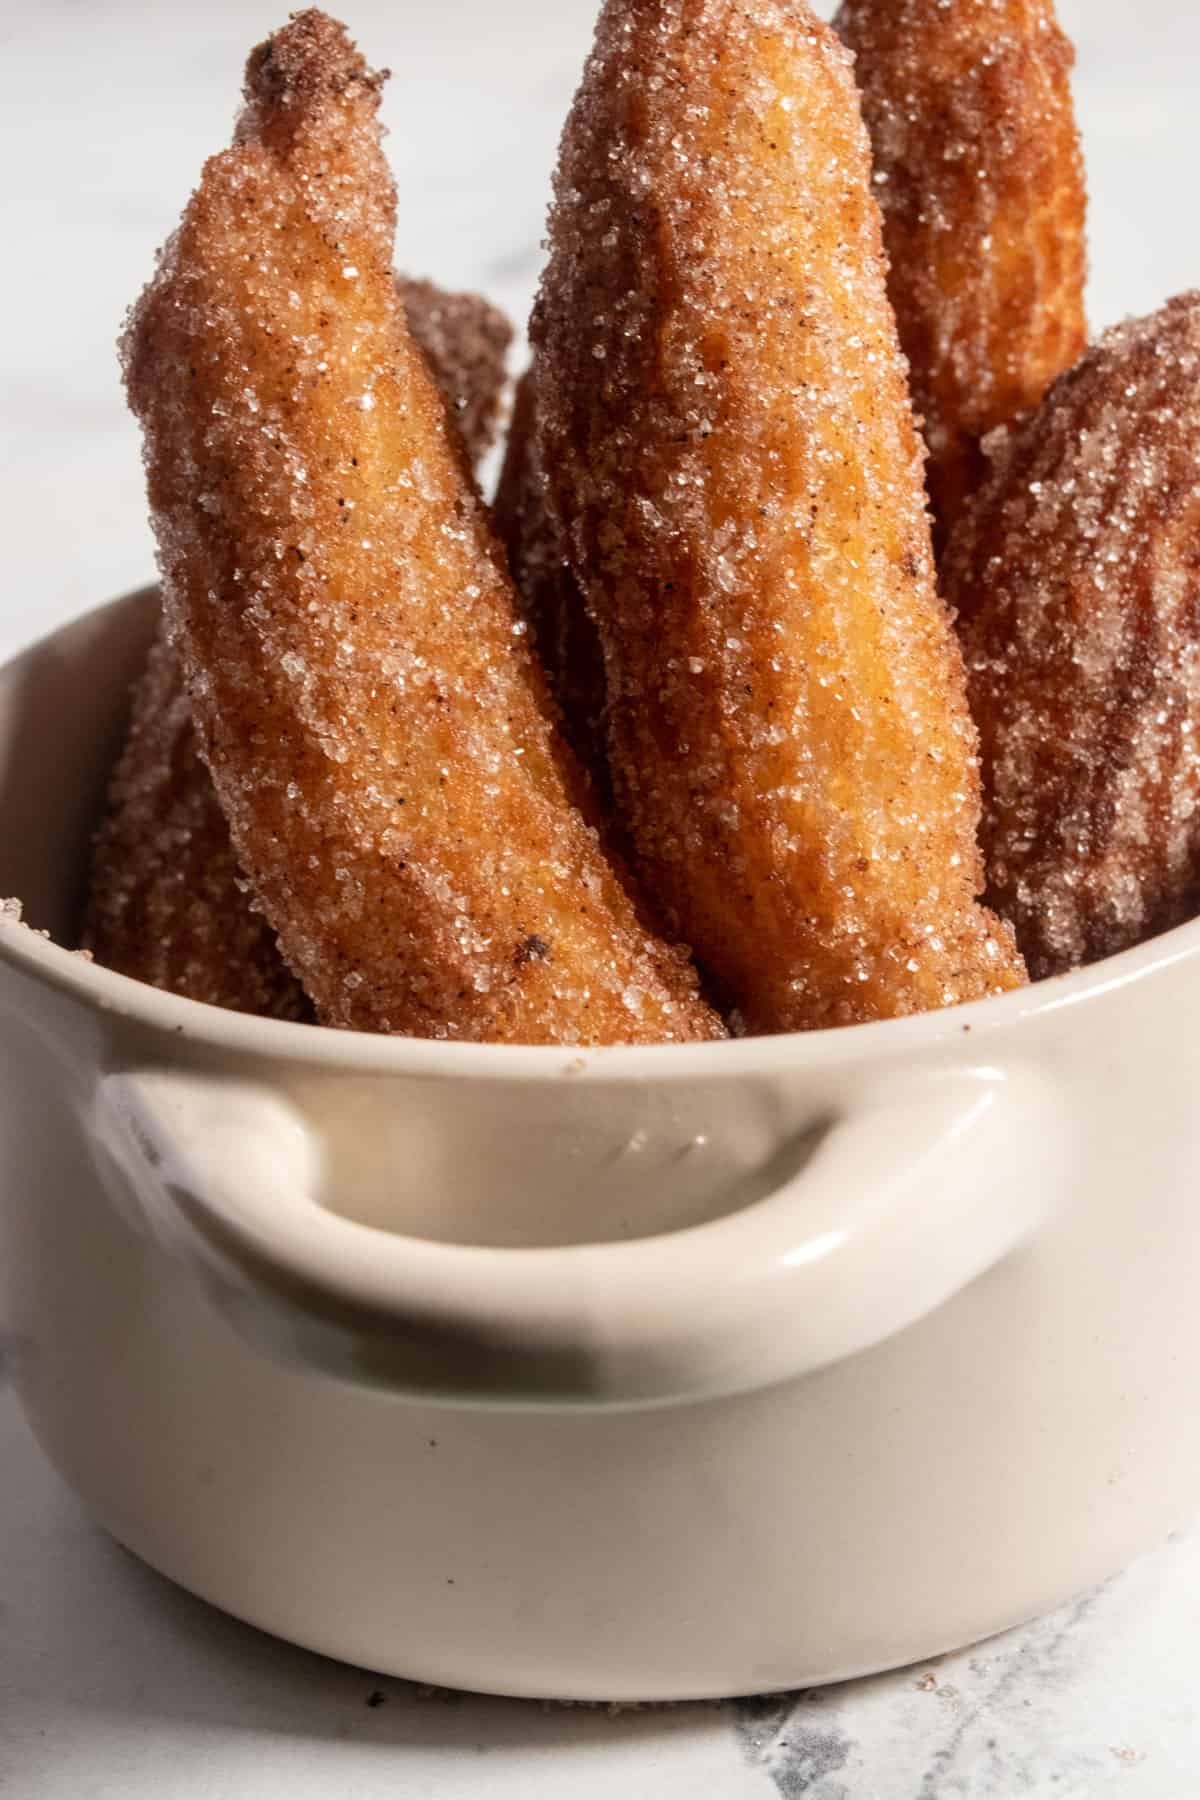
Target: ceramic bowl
[[630, 1374]]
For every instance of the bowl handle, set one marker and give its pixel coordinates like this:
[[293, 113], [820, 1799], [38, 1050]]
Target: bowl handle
[[903, 1201]]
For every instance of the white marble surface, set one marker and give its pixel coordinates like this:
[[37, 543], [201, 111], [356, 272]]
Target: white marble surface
[[113, 1685]]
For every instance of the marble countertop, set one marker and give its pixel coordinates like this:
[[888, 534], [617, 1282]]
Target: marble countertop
[[114, 1685]]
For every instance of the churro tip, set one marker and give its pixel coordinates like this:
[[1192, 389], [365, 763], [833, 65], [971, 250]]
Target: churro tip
[[312, 57]]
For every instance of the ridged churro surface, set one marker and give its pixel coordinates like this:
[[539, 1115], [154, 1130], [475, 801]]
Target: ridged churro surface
[[730, 451], [1079, 564], [979, 172]]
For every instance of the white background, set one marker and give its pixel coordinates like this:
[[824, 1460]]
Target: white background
[[107, 110], [111, 1684]]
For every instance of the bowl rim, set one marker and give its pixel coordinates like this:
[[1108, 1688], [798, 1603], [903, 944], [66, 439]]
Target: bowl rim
[[176, 1018]]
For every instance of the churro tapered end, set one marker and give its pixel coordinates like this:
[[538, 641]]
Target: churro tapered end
[[979, 171], [311, 60]]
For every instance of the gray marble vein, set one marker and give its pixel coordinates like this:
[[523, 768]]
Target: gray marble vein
[[1097, 1694]]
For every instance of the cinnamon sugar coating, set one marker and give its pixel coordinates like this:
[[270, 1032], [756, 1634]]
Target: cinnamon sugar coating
[[979, 172], [167, 903], [381, 741], [1079, 565], [466, 342], [565, 639], [731, 456]]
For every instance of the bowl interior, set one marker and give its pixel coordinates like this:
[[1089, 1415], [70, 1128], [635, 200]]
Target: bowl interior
[[63, 708]]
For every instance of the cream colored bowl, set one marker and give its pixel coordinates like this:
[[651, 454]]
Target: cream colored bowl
[[632, 1374]]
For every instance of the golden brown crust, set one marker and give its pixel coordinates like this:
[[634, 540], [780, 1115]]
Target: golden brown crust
[[567, 642], [1079, 563], [466, 342], [380, 739], [979, 172], [167, 902], [731, 456], [294, 70]]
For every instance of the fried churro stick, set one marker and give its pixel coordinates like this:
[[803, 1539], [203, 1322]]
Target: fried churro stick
[[167, 902], [466, 343], [564, 636], [979, 172], [379, 736], [1078, 559], [731, 454]]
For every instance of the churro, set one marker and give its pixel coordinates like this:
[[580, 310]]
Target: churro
[[979, 172], [1077, 563], [167, 902], [379, 736], [466, 342], [564, 637], [731, 458]]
